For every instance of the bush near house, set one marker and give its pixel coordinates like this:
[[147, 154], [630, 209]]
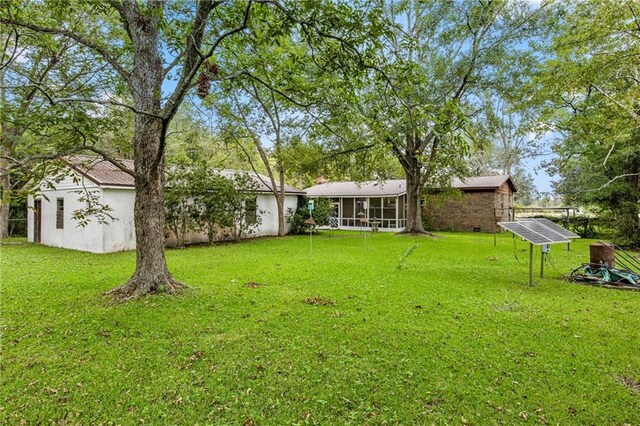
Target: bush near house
[[321, 212], [201, 199]]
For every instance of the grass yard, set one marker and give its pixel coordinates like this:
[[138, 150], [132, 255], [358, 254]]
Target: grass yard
[[456, 337]]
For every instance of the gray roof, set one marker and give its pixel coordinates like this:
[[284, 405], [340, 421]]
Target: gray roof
[[394, 187], [263, 182], [483, 182], [105, 173], [372, 188], [101, 171]]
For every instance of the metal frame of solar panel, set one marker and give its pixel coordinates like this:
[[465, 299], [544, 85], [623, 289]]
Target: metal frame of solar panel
[[552, 225], [535, 232]]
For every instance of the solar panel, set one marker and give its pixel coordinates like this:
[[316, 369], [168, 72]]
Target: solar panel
[[554, 226], [534, 232]]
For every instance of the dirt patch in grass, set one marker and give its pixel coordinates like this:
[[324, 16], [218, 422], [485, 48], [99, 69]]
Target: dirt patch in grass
[[431, 404], [427, 234], [319, 301], [253, 284], [629, 383]]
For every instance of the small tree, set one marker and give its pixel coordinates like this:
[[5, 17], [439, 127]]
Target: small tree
[[200, 198], [321, 213], [180, 211], [243, 205], [213, 204]]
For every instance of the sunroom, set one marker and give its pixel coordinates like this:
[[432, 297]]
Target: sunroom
[[362, 205]]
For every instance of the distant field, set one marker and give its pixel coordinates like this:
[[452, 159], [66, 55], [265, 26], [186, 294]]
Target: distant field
[[267, 335]]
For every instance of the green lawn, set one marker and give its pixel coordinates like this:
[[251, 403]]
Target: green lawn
[[455, 337]]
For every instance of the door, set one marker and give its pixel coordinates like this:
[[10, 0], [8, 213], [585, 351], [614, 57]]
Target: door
[[37, 221]]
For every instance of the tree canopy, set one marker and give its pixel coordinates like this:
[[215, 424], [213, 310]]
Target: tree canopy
[[591, 90]]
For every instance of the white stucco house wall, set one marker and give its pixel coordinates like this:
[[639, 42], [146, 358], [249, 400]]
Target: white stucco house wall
[[267, 209], [50, 212], [266, 202]]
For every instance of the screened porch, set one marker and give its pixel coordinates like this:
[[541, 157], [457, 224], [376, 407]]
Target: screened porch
[[357, 212]]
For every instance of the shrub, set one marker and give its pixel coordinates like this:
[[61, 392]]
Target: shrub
[[297, 218]]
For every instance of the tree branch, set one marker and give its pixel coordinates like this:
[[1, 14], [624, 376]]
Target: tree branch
[[349, 151], [100, 50], [106, 156], [631, 113], [193, 57], [607, 183]]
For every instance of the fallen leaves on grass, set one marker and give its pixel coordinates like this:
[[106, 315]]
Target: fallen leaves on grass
[[629, 383], [431, 403], [196, 356], [319, 301]]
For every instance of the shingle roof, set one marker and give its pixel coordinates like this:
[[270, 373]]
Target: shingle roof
[[263, 182], [359, 189], [100, 171], [395, 187], [483, 182], [105, 173]]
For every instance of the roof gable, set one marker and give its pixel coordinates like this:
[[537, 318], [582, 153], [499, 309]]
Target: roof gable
[[101, 171], [483, 182]]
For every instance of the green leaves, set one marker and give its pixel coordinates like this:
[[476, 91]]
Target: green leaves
[[218, 203], [590, 87]]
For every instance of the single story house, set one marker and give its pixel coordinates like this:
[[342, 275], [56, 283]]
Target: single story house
[[51, 209], [482, 202], [50, 213], [358, 204]]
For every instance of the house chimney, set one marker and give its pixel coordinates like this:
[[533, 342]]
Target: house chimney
[[321, 179]]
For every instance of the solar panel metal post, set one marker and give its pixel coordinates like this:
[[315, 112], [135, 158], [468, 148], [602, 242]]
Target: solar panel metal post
[[539, 232], [530, 265], [495, 228]]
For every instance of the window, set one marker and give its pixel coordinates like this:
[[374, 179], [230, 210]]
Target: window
[[335, 207], [375, 208], [347, 205], [389, 208], [60, 213], [251, 211]]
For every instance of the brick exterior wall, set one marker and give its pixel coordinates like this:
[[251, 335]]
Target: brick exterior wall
[[469, 210]]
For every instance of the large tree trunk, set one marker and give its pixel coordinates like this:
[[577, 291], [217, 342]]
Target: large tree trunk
[[630, 221], [151, 274], [5, 187], [5, 180], [414, 197], [277, 193], [282, 223]]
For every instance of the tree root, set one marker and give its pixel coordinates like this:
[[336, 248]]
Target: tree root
[[137, 287]]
